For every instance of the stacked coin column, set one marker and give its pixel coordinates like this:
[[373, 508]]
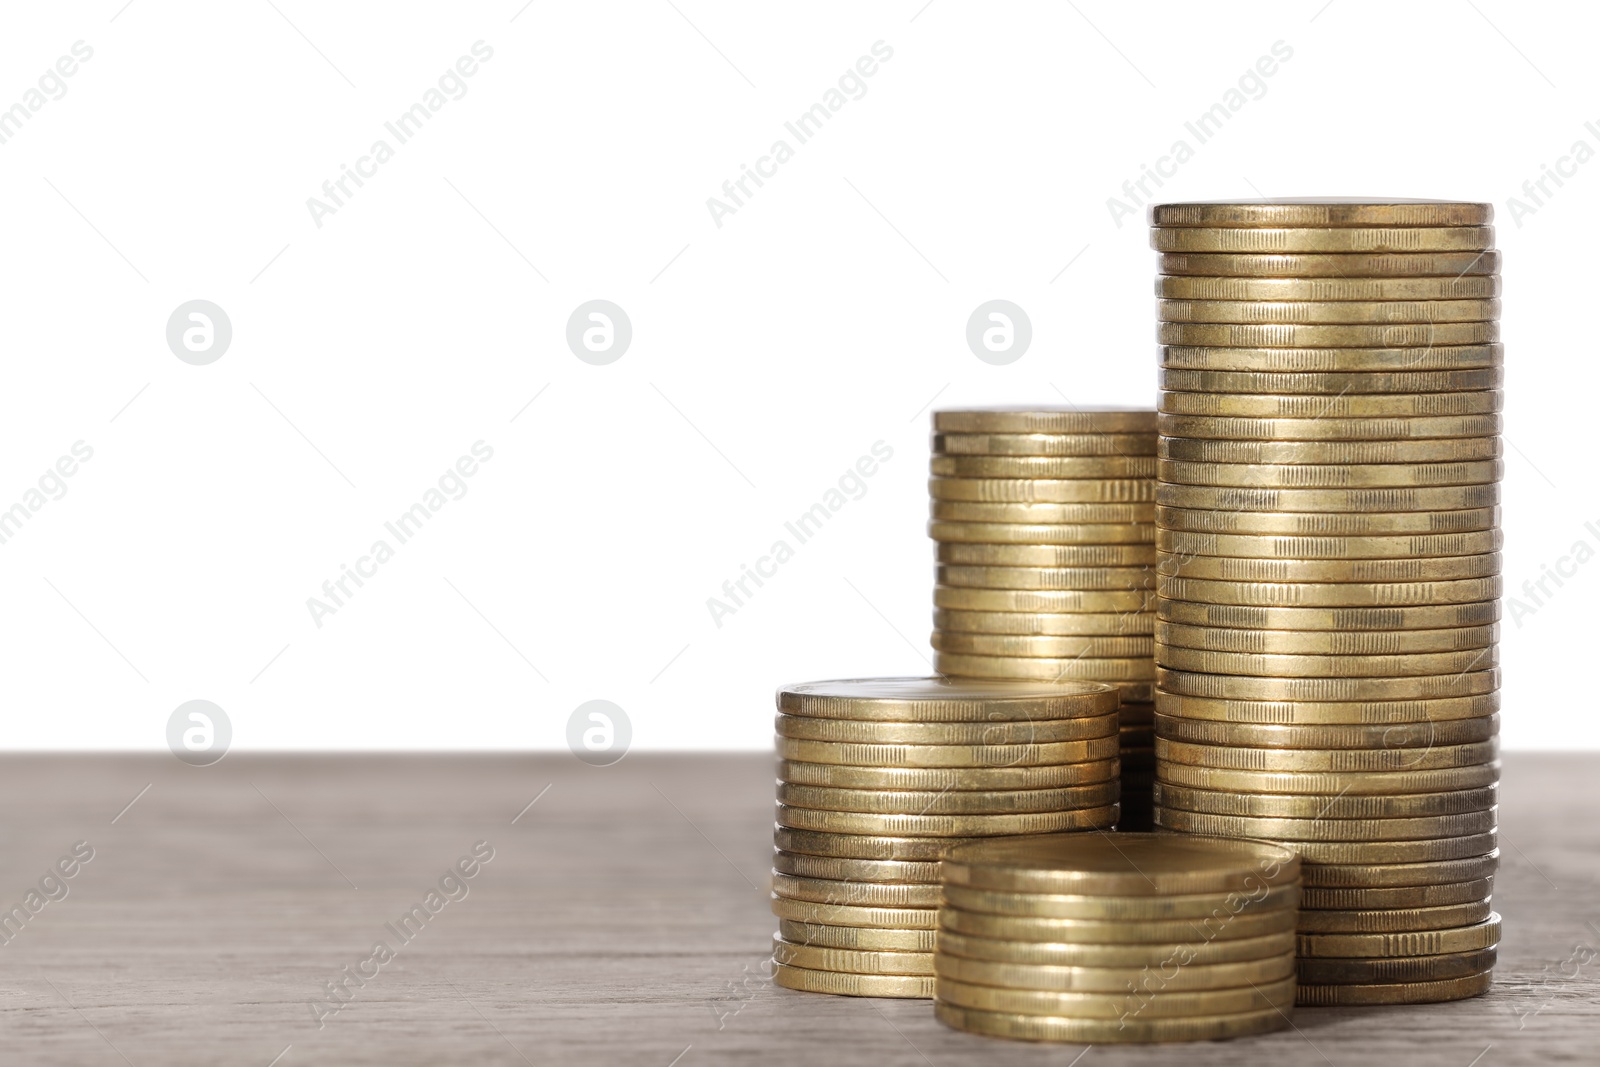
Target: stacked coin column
[[878, 777], [1042, 519], [1329, 548]]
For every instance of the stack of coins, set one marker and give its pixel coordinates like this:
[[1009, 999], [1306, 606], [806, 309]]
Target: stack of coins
[[1042, 519], [1329, 550], [879, 776], [1117, 937]]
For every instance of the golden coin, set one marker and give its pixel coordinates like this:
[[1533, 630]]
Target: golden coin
[[1332, 335], [1414, 873], [1400, 569], [1088, 420], [1331, 475], [1292, 806], [862, 846], [856, 894], [1101, 533], [965, 825], [1386, 500], [1328, 642], [1020, 645], [1235, 757], [1330, 594], [1122, 1004], [848, 960], [1383, 735], [1069, 578], [1197, 951], [1396, 970], [1130, 865], [1481, 935], [1273, 665], [1054, 624], [1261, 617], [1192, 978], [839, 869], [1045, 444], [1298, 382], [1467, 287], [808, 911], [1330, 429], [1323, 211], [1115, 932], [1422, 828], [1273, 240], [1104, 494], [943, 700], [1043, 600], [1039, 514], [1423, 687], [1126, 909], [952, 802], [1016, 755], [861, 938], [1048, 555], [1327, 311], [1334, 360], [1437, 450], [1129, 669], [1397, 713], [917, 987], [1349, 406], [1043, 466], [1404, 896], [1335, 265], [1330, 783], [1019, 1027], [912, 779], [1378, 852], [1002, 732], [1326, 524], [1393, 920], [1378, 547], [1398, 993]]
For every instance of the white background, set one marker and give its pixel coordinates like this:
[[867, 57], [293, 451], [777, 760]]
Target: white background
[[768, 354]]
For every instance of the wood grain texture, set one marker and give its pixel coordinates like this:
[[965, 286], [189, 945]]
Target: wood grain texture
[[623, 920]]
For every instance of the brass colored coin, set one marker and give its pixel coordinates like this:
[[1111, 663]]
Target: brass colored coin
[[1256, 239], [1397, 993], [953, 802], [1394, 920], [848, 870], [1250, 428], [1322, 211], [1335, 265], [1404, 896], [1318, 311], [1019, 1027], [915, 987], [1349, 406], [1045, 444], [1018, 755], [1399, 735], [1122, 865], [1002, 732], [1423, 687], [1356, 807], [1102, 533], [1401, 969], [1336, 360], [1352, 853], [1042, 466], [858, 894], [1040, 514], [1019, 645], [1192, 978], [1115, 932], [808, 911], [1392, 499], [1423, 828], [1327, 524], [937, 779], [1053, 624], [1339, 335], [1070, 578], [861, 938], [862, 846], [1401, 569], [1372, 617], [848, 960], [1398, 713], [1437, 450], [1331, 594], [982, 555], [1100, 492], [943, 700], [1331, 783], [1130, 669], [1121, 1004], [1467, 287], [1044, 420], [965, 825], [1231, 757], [1126, 909], [1311, 666], [1332, 475], [1180, 379], [1340, 548], [1328, 642], [1389, 875], [1197, 951], [1044, 600]]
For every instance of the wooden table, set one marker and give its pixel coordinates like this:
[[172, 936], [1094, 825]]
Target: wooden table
[[622, 920]]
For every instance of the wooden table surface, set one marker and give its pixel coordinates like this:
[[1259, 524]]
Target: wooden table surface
[[621, 920]]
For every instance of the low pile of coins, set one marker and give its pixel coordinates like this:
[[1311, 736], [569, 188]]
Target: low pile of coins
[[878, 777], [1117, 937], [1329, 553], [1042, 519]]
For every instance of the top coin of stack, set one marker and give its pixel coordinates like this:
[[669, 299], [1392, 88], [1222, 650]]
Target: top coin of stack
[[879, 776], [1042, 519], [1329, 553]]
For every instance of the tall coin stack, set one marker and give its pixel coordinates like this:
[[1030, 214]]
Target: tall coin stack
[[1329, 553], [1043, 521], [1117, 938], [877, 777]]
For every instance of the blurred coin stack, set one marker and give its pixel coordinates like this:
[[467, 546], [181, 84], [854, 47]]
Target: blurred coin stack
[[1042, 518], [878, 777], [1117, 938], [1329, 538]]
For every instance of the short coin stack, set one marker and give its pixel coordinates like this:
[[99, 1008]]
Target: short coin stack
[[1042, 519], [1329, 550], [878, 777], [1117, 937]]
